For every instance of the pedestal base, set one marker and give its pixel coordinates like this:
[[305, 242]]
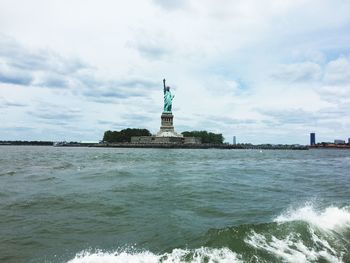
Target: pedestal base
[[167, 127]]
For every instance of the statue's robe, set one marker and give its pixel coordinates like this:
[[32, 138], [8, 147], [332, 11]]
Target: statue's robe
[[168, 99]]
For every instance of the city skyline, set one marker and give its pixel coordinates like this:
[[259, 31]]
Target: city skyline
[[267, 72]]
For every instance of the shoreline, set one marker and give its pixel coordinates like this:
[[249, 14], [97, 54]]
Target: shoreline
[[193, 146], [162, 145], [178, 145]]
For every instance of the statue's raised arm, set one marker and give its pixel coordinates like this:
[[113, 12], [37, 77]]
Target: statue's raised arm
[[164, 85]]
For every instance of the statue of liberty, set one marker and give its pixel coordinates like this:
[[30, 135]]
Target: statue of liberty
[[168, 98]]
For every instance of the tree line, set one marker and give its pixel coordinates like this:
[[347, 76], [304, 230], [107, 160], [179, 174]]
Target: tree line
[[206, 137], [44, 143], [126, 134]]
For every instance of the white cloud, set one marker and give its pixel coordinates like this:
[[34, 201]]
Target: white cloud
[[170, 4], [338, 71], [228, 62], [298, 72]]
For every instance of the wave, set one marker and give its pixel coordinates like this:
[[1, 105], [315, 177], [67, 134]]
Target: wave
[[299, 235], [202, 254], [8, 173], [332, 218], [307, 235]]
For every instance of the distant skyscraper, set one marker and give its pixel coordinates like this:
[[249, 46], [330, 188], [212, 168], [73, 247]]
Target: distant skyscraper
[[312, 138], [234, 140], [348, 140]]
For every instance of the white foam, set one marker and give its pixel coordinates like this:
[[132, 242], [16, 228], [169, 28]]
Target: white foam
[[203, 254], [292, 249], [86, 257], [331, 218]]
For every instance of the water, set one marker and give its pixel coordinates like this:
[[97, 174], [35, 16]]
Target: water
[[173, 205]]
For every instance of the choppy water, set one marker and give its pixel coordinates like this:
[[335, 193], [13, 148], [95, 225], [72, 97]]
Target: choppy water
[[172, 205]]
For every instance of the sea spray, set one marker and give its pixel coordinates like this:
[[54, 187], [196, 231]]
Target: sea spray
[[331, 218]]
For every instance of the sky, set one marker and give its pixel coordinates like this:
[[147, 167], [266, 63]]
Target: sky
[[265, 71]]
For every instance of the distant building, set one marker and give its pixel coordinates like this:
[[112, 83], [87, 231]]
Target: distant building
[[89, 142], [312, 138], [339, 142], [348, 140], [234, 140]]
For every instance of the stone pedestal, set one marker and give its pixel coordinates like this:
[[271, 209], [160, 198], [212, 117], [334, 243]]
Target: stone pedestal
[[167, 122], [167, 127]]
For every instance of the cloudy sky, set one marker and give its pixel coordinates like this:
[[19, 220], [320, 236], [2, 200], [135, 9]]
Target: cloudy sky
[[266, 71]]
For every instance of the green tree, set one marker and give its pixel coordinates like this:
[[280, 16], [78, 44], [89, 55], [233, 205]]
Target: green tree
[[124, 135], [206, 137]]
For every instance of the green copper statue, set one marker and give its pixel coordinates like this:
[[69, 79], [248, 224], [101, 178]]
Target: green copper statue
[[168, 98]]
